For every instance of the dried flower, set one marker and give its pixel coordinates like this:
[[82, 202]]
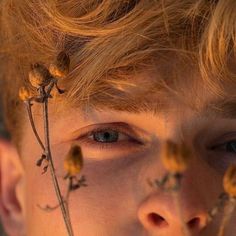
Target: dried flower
[[40, 78], [60, 68], [24, 94], [74, 161], [229, 181], [39, 75], [175, 157]]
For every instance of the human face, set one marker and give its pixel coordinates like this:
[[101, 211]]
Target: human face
[[118, 200]]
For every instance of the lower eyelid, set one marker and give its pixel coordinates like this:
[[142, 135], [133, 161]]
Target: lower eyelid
[[122, 146], [90, 141]]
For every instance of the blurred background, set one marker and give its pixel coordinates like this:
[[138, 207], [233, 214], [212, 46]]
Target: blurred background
[[3, 135]]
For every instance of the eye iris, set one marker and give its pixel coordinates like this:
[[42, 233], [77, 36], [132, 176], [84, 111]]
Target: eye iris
[[106, 136], [231, 147]]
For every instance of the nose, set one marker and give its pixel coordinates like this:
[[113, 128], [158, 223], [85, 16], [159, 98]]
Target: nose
[[159, 215]]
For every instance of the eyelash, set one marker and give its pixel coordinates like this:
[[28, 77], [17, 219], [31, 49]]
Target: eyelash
[[224, 144], [130, 143]]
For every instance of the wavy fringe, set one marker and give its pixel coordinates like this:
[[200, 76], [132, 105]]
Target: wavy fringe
[[111, 41]]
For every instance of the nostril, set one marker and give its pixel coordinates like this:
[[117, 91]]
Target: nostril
[[157, 220], [194, 223]]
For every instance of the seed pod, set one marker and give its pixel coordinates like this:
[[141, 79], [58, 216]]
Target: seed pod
[[39, 75], [60, 68], [175, 157], [229, 181], [74, 161], [24, 94]]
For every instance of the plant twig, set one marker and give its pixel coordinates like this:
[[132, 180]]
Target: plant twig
[[227, 215], [44, 81], [176, 199], [64, 211], [174, 182], [219, 206], [29, 111]]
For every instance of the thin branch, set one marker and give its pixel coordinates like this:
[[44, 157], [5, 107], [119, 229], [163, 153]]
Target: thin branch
[[227, 215], [29, 110], [51, 165], [176, 199], [219, 206]]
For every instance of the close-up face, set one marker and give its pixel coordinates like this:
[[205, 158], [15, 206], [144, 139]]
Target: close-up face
[[121, 117], [118, 160]]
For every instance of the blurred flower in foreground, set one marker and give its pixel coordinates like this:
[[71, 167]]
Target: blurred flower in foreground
[[73, 165], [229, 184], [229, 181], [74, 161], [175, 157]]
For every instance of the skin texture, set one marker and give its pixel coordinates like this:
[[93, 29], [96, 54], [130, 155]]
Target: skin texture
[[118, 201]]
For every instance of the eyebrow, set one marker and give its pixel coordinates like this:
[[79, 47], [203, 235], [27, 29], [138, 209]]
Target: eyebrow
[[220, 108], [133, 106]]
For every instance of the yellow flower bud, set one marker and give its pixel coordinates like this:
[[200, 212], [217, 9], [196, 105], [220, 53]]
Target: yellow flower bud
[[60, 68], [175, 157], [74, 160], [24, 94], [39, 75], [229, 181]]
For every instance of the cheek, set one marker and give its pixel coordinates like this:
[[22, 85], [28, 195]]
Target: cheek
[[39, 193], [111, 191]]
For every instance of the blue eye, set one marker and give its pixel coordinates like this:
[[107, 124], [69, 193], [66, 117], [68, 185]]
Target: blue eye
[[227, 146], [224, 154], [110, 137], [106, 136], [231, 146]]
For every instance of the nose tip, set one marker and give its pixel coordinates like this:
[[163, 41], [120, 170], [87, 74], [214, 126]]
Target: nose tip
[[157, 222]]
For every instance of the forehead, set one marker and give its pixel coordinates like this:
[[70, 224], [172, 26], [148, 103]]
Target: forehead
[[158, 92]]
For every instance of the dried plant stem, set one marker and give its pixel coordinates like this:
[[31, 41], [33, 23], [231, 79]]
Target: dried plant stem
[[219, 206], [67, 202], [64, 211], [176, 199], [227, 215], [29, 110]]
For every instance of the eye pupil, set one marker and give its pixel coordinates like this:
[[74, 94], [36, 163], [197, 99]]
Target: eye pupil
[[106, 136], [231, 147]]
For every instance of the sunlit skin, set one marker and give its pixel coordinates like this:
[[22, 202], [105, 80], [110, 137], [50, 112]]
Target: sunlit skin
[[118, 200]]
